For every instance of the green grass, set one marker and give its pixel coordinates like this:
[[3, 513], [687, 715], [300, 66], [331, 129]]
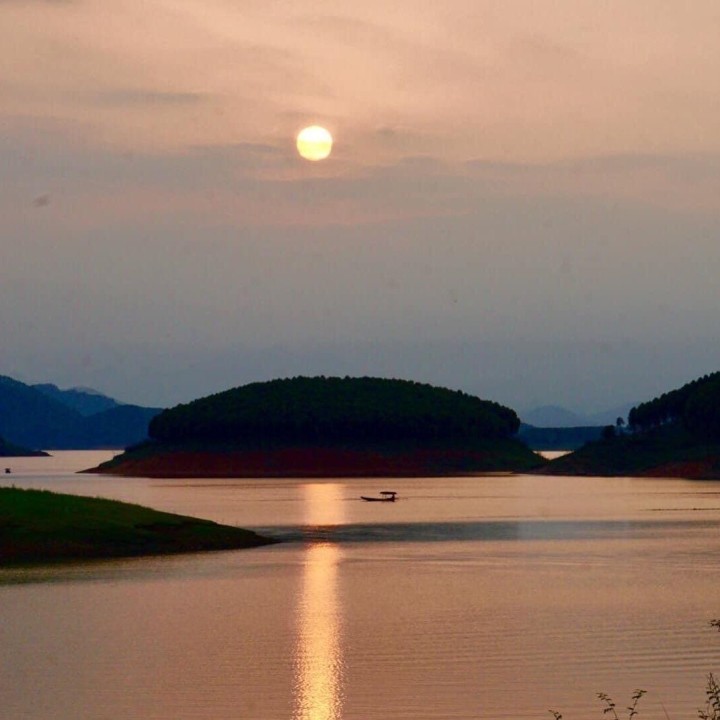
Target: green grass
[[41, 526]]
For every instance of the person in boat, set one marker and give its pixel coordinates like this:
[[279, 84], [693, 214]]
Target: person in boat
[[385, 496]]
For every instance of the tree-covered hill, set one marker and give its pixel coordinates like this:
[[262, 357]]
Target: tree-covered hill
[[329, 426], [335, 409], [677, 433], [695, 406]]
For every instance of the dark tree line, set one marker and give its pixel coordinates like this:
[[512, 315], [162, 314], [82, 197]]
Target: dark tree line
[[334, 409], [696, 406]]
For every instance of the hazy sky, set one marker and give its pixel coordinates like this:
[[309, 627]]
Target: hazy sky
[[523, 200]]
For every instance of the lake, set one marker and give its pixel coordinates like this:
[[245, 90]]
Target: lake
[[487, 597]]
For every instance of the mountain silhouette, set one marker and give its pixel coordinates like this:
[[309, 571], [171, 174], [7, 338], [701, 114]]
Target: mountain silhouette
[[49, 418]]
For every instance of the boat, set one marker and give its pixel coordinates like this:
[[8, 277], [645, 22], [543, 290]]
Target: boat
[[385, 496]]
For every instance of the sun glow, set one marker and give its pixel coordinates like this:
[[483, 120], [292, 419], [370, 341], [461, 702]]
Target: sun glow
[[314, 143]]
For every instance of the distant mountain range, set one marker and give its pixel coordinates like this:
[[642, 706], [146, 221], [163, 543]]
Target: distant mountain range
[[85, 400], [555, 416], [44, 416]]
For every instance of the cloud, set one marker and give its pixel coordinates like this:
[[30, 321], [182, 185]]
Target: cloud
[[255, 184], [538, 53], [131, 98]]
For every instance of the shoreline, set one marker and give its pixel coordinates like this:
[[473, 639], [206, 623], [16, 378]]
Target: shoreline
[[310, 462], [681, 469], [41, 527]]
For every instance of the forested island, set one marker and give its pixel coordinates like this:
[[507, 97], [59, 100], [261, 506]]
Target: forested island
[[676, 434], [329, 426], [42, 526]]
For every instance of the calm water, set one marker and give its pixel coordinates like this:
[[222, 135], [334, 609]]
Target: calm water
[[491, 597]]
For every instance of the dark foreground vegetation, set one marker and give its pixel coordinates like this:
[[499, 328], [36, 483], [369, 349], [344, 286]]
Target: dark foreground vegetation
[[321, 426], [676, 434], [38, 526]]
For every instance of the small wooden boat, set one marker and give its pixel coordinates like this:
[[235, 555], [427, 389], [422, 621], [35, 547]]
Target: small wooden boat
[[385, 496]]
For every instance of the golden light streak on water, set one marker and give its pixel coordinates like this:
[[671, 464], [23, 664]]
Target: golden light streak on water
[[318, 654]]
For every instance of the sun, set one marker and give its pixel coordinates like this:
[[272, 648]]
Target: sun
[[314, 143]]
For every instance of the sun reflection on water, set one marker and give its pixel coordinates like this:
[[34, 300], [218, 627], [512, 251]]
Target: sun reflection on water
[[318, 653]]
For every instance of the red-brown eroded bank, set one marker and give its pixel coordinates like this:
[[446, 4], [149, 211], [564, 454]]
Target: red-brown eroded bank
[[304, 462]]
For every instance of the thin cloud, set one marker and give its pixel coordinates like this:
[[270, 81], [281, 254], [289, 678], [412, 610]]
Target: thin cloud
[[132, 98]]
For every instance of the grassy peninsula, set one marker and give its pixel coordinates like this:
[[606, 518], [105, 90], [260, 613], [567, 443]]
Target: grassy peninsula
[[42, 526], [324, 427], [674, 435]]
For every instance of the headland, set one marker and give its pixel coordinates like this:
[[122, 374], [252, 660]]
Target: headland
[[37, 526]]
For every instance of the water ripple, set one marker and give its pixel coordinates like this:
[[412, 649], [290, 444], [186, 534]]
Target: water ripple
[[494, 530]]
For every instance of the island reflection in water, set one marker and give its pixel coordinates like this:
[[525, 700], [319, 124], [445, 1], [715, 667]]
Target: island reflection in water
[[318, 653]]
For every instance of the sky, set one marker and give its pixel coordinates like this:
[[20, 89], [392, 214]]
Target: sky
[[523, 199]]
